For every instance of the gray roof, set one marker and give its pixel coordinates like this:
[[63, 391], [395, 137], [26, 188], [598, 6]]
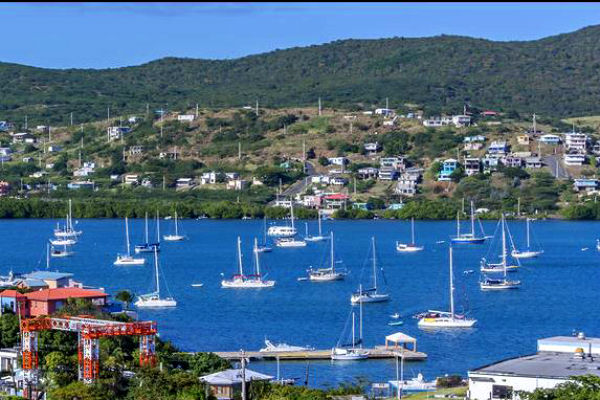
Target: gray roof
[[50, 275], [233, 376], [544, 364]]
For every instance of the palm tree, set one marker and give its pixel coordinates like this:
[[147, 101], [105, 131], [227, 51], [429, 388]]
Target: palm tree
[[125, 296]]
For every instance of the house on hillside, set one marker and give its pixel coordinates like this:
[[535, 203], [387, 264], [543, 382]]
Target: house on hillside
[[448, 167]]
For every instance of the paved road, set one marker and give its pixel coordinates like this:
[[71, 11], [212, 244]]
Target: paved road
[[299, 186], [554, 163]]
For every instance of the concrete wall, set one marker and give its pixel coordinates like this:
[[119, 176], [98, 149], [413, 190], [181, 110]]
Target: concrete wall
[[483, 390]]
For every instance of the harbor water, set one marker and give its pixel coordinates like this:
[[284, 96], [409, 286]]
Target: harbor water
[[559, 291]]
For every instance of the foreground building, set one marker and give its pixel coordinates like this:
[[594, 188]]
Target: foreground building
[[227, 385], [557, 359]]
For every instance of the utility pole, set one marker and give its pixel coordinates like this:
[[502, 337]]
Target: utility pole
[[256, 107], [534, 126], [26, 122], [147, 110], [387, 103], [319, 106], [164, 185], [49, 134], [351, 127], [108, 116], [81, 126], [243, 354], [304, 156], [162, 113], [518, 206], [71, 118], [354, 186], [196, 110], [239, 150]]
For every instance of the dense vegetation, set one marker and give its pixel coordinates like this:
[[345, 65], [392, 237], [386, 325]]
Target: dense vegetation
[[555, 75], [585, 387]]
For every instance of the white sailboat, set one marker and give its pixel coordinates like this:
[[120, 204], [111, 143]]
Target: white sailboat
[[148, 247], [503, 264], [319, 237], [153, 300], [264, 248], [528, 253], [65, 252], [409, 247], [354, 351], [62, 242], [284, 231], [327, 274], [503, 283], [241, 281], [445, 319], [467, 238], [128, 259], [290, 241], [371, 295], [174, 237], [68, 231]]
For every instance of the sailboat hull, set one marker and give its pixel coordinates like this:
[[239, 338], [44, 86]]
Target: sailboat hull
[[408, 248], [500, 286], [246, 284], [173, 238], [349, 355], [127, 261], [146, 248], [315, 238], [369, 298], [155, 303], [525, 254], [445, 322], [460, 240]]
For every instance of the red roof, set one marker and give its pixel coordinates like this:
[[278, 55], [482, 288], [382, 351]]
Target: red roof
[[11, 293], [336, 196], [64, 293]]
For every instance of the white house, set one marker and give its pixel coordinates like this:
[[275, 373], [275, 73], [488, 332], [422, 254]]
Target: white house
[[338, 160], [186, 117], [131, 179], [372, 148], [498, 147], [115, 132], [184, 183], [549, 139], [556, 361], [384, 111], [461, 120], [208, 178], [472, 166], [576, 141], [87, 169], [574, 159]]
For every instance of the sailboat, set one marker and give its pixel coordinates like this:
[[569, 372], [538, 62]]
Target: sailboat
[[496, 283], [127, 259], [319, 237], [148, 247], [65, 252], [444, 319], [326, 274], [503, 265], [467, 238], [153, 300], [63, 242], [68, 231], [241, 281], [176, 237], [284, 231], [264, 248], [290, 241], [410, 247], [371, 295], [526, 253], [342, 352]]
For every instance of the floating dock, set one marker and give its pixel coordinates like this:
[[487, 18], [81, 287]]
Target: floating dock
[[378, 352]]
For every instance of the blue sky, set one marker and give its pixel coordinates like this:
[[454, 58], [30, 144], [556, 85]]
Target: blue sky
[[101, 35]]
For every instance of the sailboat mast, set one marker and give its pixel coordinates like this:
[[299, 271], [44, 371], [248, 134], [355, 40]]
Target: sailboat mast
[[127, 236], [265, 231], [360, 314], [146, 227], [503, 246], [332, 259], [156, 271], [319, 218], [306, 228], [451, 286], [472, 220], [353, 334], [176, 230], [412, 230], [292, 212], [458, 224], [257, 272], [374, 264], [157, 227], [69, 218], [527, 233], [48, 256], [239, 249]]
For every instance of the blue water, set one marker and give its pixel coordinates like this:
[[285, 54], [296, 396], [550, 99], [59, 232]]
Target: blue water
[[558, 293]]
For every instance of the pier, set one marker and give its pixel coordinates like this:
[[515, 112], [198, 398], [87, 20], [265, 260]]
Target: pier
[[378, 352]]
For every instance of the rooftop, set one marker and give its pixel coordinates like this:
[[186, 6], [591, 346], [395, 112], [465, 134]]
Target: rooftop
[[49, 275], [544, 364], [233, 376], [65, 293]]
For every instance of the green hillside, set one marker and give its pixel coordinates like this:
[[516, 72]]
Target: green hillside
[[556, 76]]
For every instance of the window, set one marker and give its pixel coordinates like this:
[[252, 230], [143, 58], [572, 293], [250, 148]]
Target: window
[[501, 392]]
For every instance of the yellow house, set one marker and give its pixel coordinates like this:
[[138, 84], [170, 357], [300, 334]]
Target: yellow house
[[523, 139]]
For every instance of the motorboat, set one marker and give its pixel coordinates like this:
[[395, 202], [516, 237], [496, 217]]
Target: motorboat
[[282, 348]]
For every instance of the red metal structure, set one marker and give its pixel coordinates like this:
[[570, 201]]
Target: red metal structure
[[89, 332]]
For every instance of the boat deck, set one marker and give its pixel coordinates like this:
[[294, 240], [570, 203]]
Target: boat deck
[[378, 352]]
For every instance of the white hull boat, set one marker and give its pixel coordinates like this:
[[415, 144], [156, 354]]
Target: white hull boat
[[353, 351], [409, 247], [349, 354], [154, 300], [327, 274], [128, 259], [499, 284], [174, 237], [317, 238], [241, 281], [282, 348], [443, 319], [526, 253], [290, 242], [282, 231], [62, 242]]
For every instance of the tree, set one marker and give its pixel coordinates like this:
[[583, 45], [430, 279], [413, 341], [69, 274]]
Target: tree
[[125, 296], [586, 387], [60, 369], [323, 161]]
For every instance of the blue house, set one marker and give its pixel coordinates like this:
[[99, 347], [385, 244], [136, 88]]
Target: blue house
[[448, 168]]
